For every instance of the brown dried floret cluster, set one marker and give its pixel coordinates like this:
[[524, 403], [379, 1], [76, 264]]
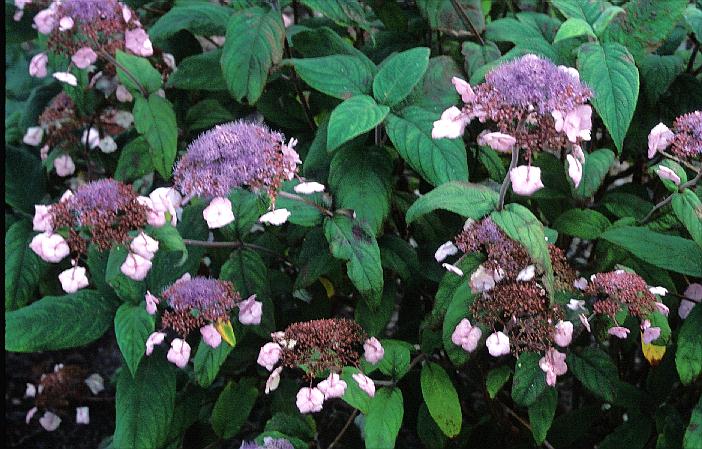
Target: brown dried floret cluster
[[523, 309], [102, 212], [519, 305], [319, 345], [617, 289], [64, 126], [62, 388]]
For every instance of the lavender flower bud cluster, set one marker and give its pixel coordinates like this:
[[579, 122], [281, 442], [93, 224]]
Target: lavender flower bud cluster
[[232, 155]]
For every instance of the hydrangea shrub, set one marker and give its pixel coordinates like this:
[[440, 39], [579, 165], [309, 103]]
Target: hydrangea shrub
[[317, 224]]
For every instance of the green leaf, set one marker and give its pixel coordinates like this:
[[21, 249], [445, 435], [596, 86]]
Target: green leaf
[[435, 93], [133, 325], [645, 25], [23, 267], [595, 169], [668, 252], [468, 200], [324, 41], [688, 208], [23, 192], [314, 259], [693, 434], [297, 425], [457, 308], [340, 76], [170, 240], [622, 205], [233, 407], [587, 10], [441, 398], [144, 404], [521, 225], [140, 69], [529, 380], [156, 121], [353, 395], [541, 414], [693, 19], [247, 208], [399, 256], [134, 161], [428, 431], [512, 30], [658, 73], [302, 211], [127, 289], [247, 270], [352, 118], [496, 378], [595, 370], [374, 319], [200, 18], [354, 242], [399, 74], [396, 359], [633, 434], [442, 15], [436, 160], [195, 73], [476, 55], [208, 361], [58, 322], [586, 224], [688, 357], [342, 12], [609, 70], [603, 21], [254, 42], [360, 179], [206, 114], [384, 418], [573, 27]]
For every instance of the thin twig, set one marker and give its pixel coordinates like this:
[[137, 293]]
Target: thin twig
[[690, 183], [236, 244], [129, 74], [343, 429], [292, 196], [298, 91], [466, 20], [680, 161], [691, 62], [206, 244], [524, 423], [506, 181]]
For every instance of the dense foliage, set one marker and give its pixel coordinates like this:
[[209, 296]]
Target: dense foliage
[[328, 223]]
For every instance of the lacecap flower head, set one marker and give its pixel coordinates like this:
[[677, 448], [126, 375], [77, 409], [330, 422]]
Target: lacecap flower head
[[533, 103], [197, 302], [235, 154], [102, 212]]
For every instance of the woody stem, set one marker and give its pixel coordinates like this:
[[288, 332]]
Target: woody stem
[[505, 183]]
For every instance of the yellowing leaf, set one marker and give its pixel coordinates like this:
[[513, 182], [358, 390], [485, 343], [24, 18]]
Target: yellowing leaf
[[328, 286], [653, 353], [226, 331]]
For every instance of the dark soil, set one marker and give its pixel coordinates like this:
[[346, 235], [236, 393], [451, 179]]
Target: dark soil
[[102, 357]]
